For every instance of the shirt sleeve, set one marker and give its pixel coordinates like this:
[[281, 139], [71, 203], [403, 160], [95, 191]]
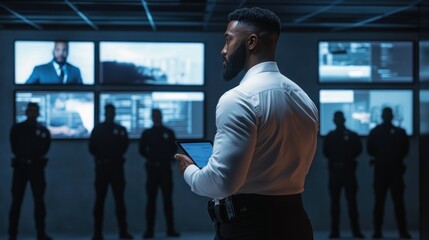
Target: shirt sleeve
[[234, 144]]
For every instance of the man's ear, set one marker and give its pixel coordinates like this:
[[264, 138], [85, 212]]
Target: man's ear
[[252, 41]]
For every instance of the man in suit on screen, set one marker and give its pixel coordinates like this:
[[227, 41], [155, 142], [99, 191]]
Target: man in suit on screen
[[58, 71]]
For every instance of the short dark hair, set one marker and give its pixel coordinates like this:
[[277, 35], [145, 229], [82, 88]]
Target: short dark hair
[[109, 105], [62, 41], [156, 110], [263, 19], [32, 104]]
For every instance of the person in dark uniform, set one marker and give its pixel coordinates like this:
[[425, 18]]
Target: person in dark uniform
[[389, 146], [108, 143], [341, 147], [30, 143], [158, 146]]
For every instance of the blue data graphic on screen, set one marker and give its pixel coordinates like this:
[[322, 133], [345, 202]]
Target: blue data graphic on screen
[[424, 61], [424, 111], [362, 109], [66, 114], [373, 61], [183, 112], [200, 152]]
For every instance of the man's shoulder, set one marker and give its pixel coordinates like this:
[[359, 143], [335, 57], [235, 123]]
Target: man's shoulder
[[353, 133], [42, 127], [119, 126], [43, 66], [18, 125], [400, 130], [71, 66], [168, 129]]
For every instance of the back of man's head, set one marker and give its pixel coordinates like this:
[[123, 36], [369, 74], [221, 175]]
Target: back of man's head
[[32, 111], [109, 110], [339, 119], [263, 20], [387, 115]]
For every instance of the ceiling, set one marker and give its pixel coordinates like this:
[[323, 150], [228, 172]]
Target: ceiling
[[210, 15]]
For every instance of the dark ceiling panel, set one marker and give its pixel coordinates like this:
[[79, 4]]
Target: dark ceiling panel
[[210, 15]]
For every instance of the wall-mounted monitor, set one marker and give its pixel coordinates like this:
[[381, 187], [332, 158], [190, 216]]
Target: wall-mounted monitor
[[424, 61], [424, 111], [67, 115], [366, 61], [182, 111], [152, 63], [54, 62], [362, 109]]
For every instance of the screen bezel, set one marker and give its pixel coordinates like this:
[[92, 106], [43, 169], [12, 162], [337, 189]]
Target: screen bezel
[[413, 110], [58, 91], [94, 63], [100, 69], [372, 83], [204, 104]]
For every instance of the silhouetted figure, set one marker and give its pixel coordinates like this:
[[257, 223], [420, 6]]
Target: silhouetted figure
[[158, 146], [389, 146], [30, 143], [108, 143], [342, 146]]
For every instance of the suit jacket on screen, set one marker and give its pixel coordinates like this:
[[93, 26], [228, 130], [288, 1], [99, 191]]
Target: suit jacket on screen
[[46, 74]]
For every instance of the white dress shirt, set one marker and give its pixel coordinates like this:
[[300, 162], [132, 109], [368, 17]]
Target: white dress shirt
[[58, 70], [265, 140]]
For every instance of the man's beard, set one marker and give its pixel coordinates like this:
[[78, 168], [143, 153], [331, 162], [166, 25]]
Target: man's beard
[[60, 61], [235, 63]]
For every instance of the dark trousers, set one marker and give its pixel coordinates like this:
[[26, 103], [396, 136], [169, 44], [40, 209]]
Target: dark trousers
[[339, 180], [36, 176], [112, 175], [159, 177], [382, 183], [270, 218]]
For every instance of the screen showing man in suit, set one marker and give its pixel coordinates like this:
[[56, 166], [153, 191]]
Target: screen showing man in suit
[[58, 71], [58, 62]]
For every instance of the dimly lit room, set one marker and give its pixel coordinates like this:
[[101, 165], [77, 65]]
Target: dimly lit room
[[139, 64]]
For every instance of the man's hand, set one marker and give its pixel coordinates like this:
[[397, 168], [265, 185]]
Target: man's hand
[[185, 161]]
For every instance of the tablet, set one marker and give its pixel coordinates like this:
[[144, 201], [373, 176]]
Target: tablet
[[198, 151]]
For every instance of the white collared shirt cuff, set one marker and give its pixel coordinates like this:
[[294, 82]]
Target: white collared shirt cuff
[[189, 171]]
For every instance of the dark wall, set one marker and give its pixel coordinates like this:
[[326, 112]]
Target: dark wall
[[70, 177], [424, 137]]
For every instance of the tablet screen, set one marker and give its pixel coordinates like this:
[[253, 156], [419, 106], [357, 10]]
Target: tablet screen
[[199, 152]]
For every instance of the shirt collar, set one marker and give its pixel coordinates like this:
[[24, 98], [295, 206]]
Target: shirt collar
[[269, 66], [57, 66]]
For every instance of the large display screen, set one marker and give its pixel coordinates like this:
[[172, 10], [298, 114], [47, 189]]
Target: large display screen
[[362, 109], [54, 62], [424, 111], [65, 114], [183, 112], [424, 61], [152, 63], [358, 61]]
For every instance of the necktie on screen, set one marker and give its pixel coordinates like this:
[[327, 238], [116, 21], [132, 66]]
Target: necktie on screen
[[62, 74]]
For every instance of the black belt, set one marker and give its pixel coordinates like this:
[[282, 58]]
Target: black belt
[[243, 206]]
